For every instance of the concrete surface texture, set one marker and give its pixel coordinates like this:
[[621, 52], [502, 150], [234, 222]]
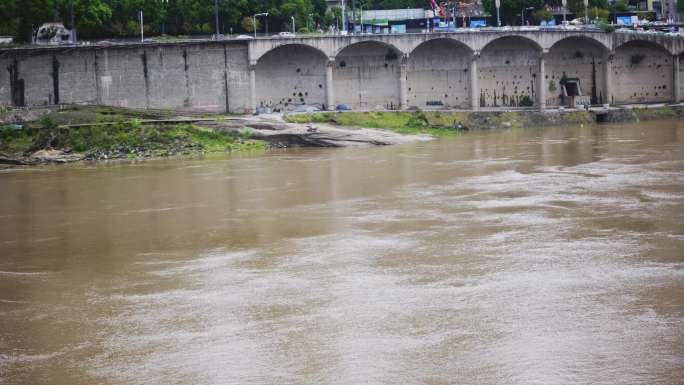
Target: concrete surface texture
[[575, 58], [366, 76], [642, 73], [492, 69], [438, 75], [291, 75], [508, 73]]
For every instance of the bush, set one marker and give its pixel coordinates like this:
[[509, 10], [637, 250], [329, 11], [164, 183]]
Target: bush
[[605, 27]]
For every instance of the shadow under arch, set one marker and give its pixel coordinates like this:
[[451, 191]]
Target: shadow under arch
[[366, 75], [447, 40], [291, 75], [289, 46], [357, 44], [438, 74], [642, 44], [642, 72], [576, 64], [581, 39], [507, 72], [511, 38]]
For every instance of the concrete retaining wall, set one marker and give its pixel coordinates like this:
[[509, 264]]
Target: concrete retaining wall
[[211, 77], [365, 72]]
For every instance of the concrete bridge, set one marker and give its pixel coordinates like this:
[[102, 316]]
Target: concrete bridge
[[466, 70]]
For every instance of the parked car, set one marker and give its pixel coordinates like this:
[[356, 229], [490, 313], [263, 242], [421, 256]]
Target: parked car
[[244, 37], [286, 34], [343, 107]]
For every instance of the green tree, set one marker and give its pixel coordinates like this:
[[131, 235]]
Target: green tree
[[248, 24]]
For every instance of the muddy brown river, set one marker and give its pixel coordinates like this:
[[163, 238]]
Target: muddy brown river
[[523, 256]]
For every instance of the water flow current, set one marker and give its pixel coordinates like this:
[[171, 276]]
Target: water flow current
[[522, 256]]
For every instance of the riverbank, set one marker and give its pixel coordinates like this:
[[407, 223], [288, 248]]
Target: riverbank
[[75, 133]]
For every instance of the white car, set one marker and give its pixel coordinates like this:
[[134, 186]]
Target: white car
[[244, 37], [286, 34]]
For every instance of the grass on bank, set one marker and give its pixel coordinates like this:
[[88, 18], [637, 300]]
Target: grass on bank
[[418, 122], [121, 137]]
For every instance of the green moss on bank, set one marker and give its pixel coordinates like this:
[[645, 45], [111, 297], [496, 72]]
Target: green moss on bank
[[667, 112], [441, 123]]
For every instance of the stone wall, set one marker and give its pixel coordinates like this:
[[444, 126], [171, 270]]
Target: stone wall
[[291, 75], [438, 75]]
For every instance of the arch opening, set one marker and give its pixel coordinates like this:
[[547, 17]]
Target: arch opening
[[507, 76], [289, 76], [575, 65], [438, 75], [642, 73], [366, 76]]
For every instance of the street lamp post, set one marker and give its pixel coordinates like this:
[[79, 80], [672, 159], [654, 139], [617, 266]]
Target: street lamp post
[[586, 11], [564, 4], [254, 20], [216, 17], [361, 17], [73, 24], [344, 25], [498, 17], [293, 24]]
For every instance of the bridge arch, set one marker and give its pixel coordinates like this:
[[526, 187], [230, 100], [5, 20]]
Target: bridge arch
[[508, 69], [642, 73], [367, 74], [290, 75], [576, 57], [438, 74]]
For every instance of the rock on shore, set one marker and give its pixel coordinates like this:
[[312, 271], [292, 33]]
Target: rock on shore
[[281, 134]]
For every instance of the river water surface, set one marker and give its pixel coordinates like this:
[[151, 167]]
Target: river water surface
[[531, 256]]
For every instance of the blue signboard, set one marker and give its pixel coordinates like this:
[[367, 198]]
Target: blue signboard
[[399, 28], [478, 23], [624, 20]]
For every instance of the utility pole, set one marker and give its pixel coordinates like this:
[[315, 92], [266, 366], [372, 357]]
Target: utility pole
[[293, 24], [142, 29]]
